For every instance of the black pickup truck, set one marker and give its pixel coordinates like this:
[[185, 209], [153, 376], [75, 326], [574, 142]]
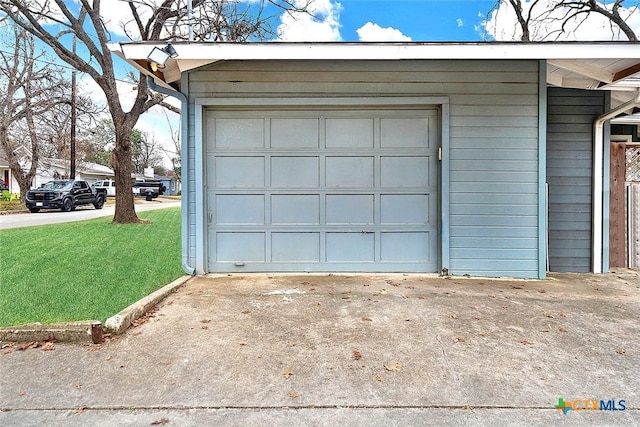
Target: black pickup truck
[[65, 195]]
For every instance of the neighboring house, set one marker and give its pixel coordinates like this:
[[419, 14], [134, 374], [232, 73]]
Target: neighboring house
[[396, 157], [171, 183], [49, 169], [6, 176]]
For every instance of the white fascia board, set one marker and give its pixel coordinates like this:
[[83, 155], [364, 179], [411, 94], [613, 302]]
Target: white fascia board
[[386, 51]]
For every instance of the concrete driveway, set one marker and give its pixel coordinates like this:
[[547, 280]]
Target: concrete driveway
[[359, 350]]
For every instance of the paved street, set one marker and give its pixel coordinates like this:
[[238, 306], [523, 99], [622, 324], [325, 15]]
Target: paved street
[[82, 213]]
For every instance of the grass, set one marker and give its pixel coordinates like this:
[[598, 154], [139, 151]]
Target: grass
[[87, 270], [12, 206]]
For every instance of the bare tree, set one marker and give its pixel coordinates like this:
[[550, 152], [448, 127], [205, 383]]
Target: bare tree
[[97, 142], [574, 9], [29, 93], [146, 151], [55, 126], [554, 19], [175, 155], [151, 20], [524, 15]]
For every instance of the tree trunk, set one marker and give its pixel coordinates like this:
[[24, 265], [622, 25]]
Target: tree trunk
[[122, 166]]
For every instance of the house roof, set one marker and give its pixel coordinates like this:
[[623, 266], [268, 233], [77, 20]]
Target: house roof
[[82, 166], [613, 66]]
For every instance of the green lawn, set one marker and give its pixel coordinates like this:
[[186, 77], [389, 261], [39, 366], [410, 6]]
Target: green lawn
[[87, 270]]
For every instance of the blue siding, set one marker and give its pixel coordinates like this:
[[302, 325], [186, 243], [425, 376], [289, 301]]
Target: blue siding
[[493, 140], [571, 113]]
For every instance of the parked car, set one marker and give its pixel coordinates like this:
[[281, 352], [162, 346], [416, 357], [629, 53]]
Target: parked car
[[109, 184], [65, 195], [149, 189]]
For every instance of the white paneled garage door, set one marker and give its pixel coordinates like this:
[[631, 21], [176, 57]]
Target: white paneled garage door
[[334, 190]]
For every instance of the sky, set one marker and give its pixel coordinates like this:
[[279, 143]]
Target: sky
[[398, 20]]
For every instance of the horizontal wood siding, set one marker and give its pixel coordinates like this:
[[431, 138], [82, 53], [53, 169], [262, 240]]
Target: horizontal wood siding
[[570, 116], [493, 139]]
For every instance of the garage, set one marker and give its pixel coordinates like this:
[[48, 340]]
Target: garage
[[322, 189]]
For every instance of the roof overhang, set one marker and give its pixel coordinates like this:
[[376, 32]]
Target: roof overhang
[[612, 66]]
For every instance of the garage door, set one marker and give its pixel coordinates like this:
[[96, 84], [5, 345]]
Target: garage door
[[334, 190]]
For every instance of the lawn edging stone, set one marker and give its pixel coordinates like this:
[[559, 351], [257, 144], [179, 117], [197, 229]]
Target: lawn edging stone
[[85, 331], [89, 330], [120, 322]]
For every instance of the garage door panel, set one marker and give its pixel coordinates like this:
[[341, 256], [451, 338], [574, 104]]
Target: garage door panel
[[295, 209], [237, 133], [405, 209], [238, 172], [349, 133], [295, 247], [240, 209], [329, 190], [294, 133], [405, 171], [350, 209], [295, 172], [404, 133], [350, 247], [240, 247], [405, 247], [350, 171]]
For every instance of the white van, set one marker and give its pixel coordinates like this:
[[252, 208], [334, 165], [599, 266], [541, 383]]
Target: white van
[[109, 184]]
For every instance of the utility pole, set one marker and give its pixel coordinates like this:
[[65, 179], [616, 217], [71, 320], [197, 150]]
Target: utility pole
[[72, 173]]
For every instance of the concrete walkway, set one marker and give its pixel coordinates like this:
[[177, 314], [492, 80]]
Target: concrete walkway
[[356, 350]]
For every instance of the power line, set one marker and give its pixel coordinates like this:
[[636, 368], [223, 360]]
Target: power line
[[63, 66]]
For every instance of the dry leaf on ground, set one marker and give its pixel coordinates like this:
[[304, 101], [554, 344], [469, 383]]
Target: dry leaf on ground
[[288, 374], [393, 367]]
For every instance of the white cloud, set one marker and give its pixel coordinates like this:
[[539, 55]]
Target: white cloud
[[460, 22], [371, 32], [322, 23], [502, 24]]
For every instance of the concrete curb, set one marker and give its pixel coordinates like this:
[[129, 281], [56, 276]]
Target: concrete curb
[[86, 331], [120, 322], [89, 330]]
